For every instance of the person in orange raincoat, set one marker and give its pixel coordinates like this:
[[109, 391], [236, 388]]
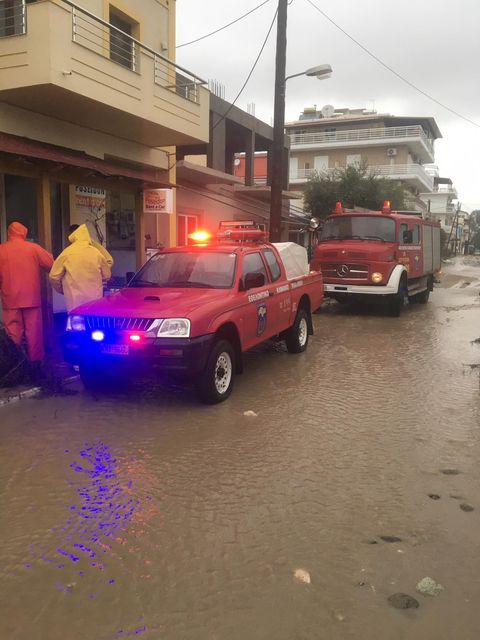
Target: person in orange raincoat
[[21, 263], [80, 270]]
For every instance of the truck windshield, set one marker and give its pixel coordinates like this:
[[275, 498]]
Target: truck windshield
[[212, 270], [345, 227]]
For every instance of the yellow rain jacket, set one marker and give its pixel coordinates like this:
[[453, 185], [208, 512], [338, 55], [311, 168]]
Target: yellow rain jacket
[[80, 270]]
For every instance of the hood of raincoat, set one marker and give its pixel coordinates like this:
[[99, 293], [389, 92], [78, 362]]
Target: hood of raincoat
[[80, 235], [17, 230]]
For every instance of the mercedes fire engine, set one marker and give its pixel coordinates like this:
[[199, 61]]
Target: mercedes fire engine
[[386, 255]]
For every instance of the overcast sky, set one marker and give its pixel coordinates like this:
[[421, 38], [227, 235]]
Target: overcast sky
[[435, 44]]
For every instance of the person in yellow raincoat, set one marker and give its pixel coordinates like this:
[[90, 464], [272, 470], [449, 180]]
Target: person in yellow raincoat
[[80, 270]]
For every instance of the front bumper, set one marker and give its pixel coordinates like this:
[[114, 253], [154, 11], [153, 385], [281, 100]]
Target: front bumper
[[360, 289], [186, 356]]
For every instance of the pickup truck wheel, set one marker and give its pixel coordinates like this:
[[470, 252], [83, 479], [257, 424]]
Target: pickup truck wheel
[[296, 338], [216, 382]]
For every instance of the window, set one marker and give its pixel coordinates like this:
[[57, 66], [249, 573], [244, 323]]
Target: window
[[186, 225], [122, 48], [359, 227], [253, 263], [273, 265], [354, 159], [416, 234], [403, 236]]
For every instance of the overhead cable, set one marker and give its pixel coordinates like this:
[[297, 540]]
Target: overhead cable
[[207, 35], [249, 74], [386, 66]]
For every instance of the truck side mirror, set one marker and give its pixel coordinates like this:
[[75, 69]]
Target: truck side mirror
[[253, 280]]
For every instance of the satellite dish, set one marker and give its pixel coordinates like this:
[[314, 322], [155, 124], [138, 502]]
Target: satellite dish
[[328, 110]]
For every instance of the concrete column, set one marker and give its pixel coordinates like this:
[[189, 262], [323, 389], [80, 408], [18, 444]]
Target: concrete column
[[44, 217], [139, 229], [250, 158], [217, 145]]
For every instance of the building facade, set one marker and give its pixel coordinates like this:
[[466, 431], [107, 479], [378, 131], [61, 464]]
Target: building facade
[[397, 148], [92, 106]]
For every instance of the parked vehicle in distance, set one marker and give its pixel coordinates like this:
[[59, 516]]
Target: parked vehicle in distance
[[192, 311], [374, 256]]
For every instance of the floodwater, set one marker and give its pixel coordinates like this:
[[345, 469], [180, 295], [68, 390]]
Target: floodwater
[[152, 516]]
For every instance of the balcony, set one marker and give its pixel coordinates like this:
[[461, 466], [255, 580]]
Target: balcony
[[62, 61], [413, 174], [413, 136]]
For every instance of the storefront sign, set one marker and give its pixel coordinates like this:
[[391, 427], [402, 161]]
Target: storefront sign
[[90, 200], [157, 201]]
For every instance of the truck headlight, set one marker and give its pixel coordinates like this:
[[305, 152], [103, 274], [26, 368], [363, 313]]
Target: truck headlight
[[75, 323], [174, 328], [377, 277]]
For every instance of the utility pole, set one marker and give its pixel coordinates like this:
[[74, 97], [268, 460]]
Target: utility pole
[[278, 125]]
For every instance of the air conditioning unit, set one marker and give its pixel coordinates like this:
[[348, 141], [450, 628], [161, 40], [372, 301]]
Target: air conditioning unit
[[391, 152]]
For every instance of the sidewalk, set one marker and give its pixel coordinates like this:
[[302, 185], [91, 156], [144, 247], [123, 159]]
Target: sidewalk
[[57, 374]]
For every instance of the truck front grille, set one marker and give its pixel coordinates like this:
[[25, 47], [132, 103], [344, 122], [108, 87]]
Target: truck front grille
[[345, 270], [120, 324]]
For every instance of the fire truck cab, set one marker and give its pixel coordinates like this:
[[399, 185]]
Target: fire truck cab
[[378, 256]]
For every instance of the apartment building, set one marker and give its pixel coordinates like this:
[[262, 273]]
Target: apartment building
[[395, 147], [92, 107]]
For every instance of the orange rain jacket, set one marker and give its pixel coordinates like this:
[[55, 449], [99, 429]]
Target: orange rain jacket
[[80, 270], [20, 265]]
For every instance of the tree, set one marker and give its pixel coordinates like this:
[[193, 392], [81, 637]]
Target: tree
[[353, 186], [474, 232]]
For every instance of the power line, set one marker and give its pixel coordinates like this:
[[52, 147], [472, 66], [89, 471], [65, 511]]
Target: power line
[[250, 73], [386, 66], [207, 35]]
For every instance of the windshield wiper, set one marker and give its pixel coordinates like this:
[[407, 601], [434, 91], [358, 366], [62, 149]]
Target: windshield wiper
[[143, 283], [374, 238], [188, 284]]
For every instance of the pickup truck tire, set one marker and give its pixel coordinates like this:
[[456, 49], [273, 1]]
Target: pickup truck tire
[[296, 337], [215, 384]]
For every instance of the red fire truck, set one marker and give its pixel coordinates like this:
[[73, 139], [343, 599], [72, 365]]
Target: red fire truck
[[192, 312], [386, 255]]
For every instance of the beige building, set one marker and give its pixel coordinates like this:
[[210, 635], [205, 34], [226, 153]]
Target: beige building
[[392, 146], [92, 107]]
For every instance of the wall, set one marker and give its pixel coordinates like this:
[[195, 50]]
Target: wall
[[373, 156]]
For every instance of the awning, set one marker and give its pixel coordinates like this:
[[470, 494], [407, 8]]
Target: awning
[[42, 151]]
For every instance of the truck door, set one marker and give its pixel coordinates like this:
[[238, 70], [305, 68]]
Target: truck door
[[280, 293], [410, 248], [257, 309]]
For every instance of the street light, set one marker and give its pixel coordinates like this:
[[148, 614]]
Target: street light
[[277, 171]]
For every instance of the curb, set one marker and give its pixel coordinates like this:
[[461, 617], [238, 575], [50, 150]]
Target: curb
[[31, 393]]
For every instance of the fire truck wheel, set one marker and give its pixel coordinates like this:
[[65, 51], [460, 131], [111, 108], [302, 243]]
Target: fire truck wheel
[[422, 298], [397, 300], [215, 384], [296, 338]]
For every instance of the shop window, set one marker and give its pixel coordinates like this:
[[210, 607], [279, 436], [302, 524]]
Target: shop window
[[120, 220], [186, 224], [21, 203]]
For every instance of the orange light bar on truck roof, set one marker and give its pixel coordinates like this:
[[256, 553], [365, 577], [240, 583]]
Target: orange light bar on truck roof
[[386, 206], [338, 207], [200, 236]]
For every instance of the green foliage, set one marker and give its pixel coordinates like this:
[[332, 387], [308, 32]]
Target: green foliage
[[353, 186], [474, 222]]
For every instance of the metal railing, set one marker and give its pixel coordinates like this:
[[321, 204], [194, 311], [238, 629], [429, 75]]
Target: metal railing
[[13, 18], [359, 135], [108, 41], [385, 170]]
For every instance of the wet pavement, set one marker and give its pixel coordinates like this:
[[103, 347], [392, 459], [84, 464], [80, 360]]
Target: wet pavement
[[148, 515]]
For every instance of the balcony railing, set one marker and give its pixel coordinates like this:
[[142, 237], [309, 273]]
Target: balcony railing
[[13, 18], [108, 41], [396, 171], [359, 135]]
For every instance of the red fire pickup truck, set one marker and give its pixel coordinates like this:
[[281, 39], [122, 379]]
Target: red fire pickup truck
[[379, 256], [192, 311]]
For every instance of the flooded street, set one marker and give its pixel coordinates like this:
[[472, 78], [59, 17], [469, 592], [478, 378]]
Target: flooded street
[[149, 515]]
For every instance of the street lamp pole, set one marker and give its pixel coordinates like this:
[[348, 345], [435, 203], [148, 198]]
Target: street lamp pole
[[277, 164]]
